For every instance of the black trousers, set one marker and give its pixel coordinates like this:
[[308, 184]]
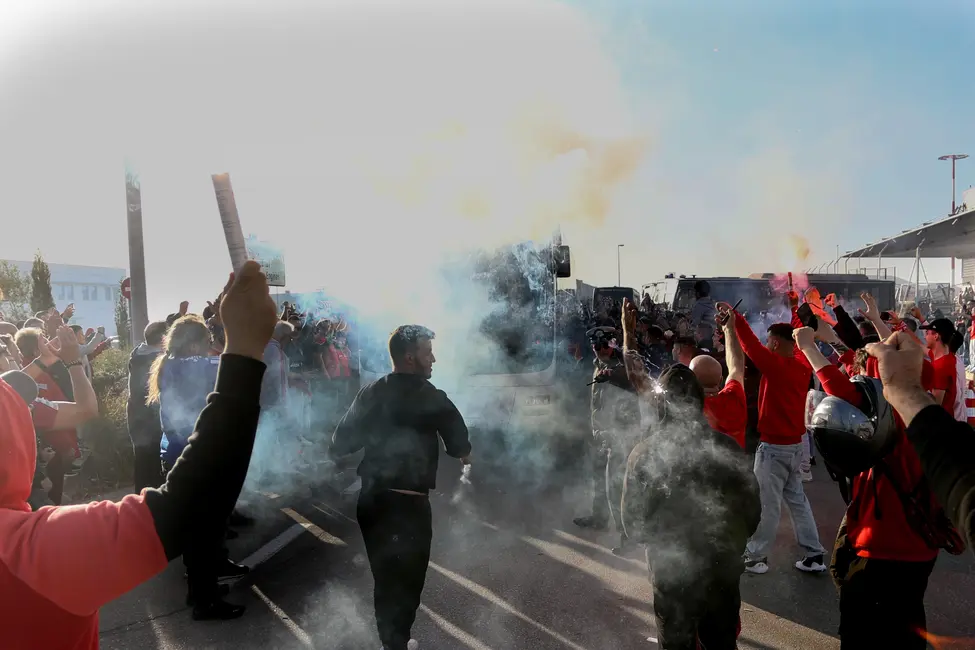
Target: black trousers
[[397, 530], [704, 609], [202, 554], [148, 470], [56, 468], [882, 606]]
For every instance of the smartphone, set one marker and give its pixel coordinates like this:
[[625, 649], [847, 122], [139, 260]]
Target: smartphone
[[806, 316]]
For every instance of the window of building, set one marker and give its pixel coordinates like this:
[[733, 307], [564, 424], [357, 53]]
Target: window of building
[[70, 292], [84, 292], [108, 292], [60, 291]]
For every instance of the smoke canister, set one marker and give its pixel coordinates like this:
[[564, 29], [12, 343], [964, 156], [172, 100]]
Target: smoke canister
[[230, 220]]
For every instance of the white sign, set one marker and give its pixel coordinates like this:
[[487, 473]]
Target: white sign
[[270, 258]]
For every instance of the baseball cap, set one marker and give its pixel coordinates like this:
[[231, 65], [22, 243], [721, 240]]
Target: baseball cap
[[941, 326]]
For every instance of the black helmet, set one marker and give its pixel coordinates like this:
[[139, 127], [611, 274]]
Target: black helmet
[[852, 440]]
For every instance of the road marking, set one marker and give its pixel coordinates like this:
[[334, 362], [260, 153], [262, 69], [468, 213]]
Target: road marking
[[493, 598], [313, 529], [453, 630], [332, 512], [270, 495], [293, 627], [569, 537], [270, 549]]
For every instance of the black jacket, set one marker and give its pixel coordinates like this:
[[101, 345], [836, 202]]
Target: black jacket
[[399, 420], [946, 448], [691, 496], [142, 419]]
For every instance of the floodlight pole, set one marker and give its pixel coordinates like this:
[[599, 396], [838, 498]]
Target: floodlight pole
[[953, 157]]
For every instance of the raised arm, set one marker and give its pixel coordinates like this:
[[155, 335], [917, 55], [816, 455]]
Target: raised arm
[[81, 557]]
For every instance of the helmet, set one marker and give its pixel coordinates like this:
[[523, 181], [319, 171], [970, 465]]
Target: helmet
[[852, 440]]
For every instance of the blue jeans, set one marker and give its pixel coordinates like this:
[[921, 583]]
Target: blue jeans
[[777, 471]]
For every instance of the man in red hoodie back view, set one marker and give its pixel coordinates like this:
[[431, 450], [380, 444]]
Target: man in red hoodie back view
[[60, 564], [781, 411]]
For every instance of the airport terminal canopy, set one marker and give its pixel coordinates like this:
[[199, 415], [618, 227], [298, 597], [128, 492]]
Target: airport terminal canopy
[[953, 236]]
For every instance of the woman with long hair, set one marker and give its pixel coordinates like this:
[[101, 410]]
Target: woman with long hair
[[180, 380]]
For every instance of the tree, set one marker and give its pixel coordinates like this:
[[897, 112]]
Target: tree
[[14, 292], [41, 297], [123, 324]]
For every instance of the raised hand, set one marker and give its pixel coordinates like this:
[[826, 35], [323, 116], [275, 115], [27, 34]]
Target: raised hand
[[248, 312]]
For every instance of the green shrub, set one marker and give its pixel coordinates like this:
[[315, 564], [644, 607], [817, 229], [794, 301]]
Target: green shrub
[[111, 462]]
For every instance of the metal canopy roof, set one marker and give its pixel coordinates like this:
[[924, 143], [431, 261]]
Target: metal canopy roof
[[952, 236]]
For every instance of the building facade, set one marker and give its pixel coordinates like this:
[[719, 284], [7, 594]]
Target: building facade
[[94, 290]]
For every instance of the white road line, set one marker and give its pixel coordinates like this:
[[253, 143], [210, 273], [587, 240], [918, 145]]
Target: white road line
[[293, 627], [332, 512], [453, 630], [270, 549], [497, 601], [313, 529]]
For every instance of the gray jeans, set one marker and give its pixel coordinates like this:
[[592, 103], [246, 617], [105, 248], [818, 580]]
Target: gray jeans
[[777, 471]]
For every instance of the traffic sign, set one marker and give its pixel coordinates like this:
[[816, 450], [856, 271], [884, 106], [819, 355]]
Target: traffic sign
[[127, 288]]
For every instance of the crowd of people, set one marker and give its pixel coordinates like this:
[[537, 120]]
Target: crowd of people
[[663, 382], [670, 438], [48, 350]]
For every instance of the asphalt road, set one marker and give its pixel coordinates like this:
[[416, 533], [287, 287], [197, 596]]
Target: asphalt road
[[509, 571]]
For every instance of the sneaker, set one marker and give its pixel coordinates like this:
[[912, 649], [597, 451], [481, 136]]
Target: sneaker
[[813, 564], [759, 566], [806, 476], [412, 645], [812, 461]]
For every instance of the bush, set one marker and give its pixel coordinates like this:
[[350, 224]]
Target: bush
[[111, 462]]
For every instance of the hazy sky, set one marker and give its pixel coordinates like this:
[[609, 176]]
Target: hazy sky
[[367, 140]]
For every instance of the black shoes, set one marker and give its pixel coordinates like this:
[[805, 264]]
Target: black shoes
[[240, 520], [217, 610], [592, 523], [231, 569]]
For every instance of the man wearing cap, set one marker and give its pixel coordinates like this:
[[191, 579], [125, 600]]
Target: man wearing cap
[[937, 336], [615, 428]]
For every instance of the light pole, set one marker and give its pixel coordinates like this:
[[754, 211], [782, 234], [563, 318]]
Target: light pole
[[953, 157], [618, 274]]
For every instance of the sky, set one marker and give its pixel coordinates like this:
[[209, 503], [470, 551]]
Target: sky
[[369, 138]]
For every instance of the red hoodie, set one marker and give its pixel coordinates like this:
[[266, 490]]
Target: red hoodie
[[782, 391], [60, 564], [876, 524]]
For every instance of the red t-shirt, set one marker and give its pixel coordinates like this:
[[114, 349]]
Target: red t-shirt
[[944, 378], [782, 390], [876, 523], [65, 440], [43, 413], [727, 411]]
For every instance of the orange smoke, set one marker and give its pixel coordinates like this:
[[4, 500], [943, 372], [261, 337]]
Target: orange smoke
[[800, 248], [947, 642]]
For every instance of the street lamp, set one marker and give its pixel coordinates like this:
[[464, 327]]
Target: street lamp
[[953, 157], [618, 275]]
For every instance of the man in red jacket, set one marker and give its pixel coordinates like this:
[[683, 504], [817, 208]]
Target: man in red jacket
[[781, 410], [58, 565], [881, 563]]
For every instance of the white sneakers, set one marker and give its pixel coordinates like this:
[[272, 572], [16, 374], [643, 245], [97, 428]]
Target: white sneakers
[[412, 645], [806, 476], [812, 564]]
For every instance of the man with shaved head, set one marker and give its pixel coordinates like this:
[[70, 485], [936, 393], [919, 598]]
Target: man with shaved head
[[724, 405]]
